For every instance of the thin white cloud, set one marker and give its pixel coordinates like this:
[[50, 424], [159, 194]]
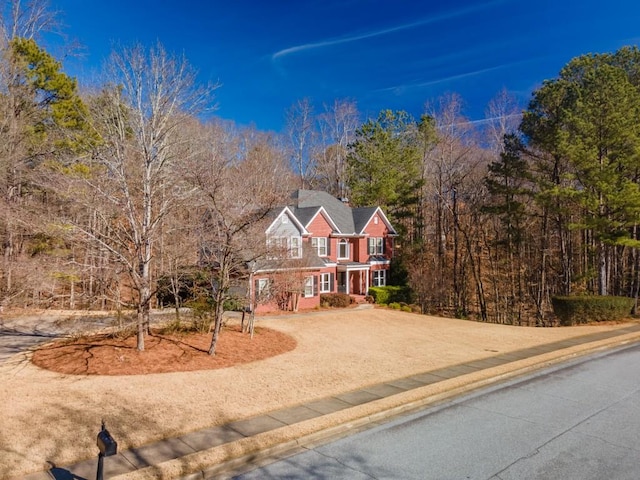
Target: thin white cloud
[[385, 31], [493, 119], [462, 75], [410, 86]]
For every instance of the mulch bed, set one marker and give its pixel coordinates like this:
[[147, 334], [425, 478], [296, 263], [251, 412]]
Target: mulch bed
[[182, 352]]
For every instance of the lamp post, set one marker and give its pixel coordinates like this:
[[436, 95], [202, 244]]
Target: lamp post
[[108, 446]]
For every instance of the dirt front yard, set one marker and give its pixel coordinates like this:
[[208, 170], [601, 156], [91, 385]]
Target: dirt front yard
[[52, 418]]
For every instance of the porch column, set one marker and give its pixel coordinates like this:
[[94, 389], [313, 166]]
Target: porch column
[[366, 288], [348, 281]]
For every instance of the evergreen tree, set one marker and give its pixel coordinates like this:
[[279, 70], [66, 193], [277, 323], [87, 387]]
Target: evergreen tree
[[587, 121], [384, 165]]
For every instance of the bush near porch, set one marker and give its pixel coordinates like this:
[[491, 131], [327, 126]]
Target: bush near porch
[[336, 300], [390, 294]]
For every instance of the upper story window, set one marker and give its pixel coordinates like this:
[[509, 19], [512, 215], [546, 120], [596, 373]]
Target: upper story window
[[279, 247], [320, 245], [295, 247], [375, 246], [343, 249]]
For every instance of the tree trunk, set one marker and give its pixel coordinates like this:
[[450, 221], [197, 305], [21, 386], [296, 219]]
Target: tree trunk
[[603, 286]]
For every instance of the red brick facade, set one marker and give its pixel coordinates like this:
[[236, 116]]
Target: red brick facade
[[343, 250]]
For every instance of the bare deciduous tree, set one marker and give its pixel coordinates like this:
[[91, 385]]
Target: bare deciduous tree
[[302, 139], [503, 115], [240, 178], [338, 125], [138, 168], [25, 19]]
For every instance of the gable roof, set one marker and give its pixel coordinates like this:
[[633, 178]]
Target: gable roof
[[289, 213], [337, 210], [364, 215], [348, 221]]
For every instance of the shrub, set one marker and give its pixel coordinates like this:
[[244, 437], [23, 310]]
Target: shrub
[[336, 300], [390, 294], [574, 310], [234, 304], [395, 306]]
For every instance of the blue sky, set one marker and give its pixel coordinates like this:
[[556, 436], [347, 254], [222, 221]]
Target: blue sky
[[382, 54]]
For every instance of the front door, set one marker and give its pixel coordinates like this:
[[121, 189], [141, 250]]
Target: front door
[[342, 282]]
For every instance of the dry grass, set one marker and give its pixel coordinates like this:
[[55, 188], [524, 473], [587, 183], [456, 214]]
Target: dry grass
[[53, 417]]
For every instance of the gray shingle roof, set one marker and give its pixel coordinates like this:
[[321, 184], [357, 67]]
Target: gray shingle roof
[[306, 203], [340, 213], [361, 217], [305, 214]]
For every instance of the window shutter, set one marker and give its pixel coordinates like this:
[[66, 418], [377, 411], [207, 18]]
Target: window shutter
[[315, 286], [331, 282], [328, 246]]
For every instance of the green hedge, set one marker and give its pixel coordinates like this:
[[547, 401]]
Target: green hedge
[[390, 294], [574, 310]]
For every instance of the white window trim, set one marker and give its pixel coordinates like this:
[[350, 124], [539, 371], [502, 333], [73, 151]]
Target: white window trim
[[320, 246], [308, 286], [264, 287], [379, 278], [344, 242], [295, 251], [375, 246], [322, 282]]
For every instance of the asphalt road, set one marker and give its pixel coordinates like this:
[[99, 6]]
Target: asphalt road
[[579, 421], [19, 335], [23, 332]]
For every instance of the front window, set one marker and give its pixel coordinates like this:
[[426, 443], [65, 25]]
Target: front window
[[379, 278], [343, 249], [375, 246], [320, 244], [263, 288], [325, 283], [308, 287]]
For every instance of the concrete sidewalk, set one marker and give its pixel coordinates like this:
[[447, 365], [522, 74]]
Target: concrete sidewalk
[[210, 452]]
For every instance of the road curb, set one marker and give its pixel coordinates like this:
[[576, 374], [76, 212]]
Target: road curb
[[228, 457]]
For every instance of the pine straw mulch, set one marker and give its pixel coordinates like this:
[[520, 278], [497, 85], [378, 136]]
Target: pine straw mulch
[[170, 352]]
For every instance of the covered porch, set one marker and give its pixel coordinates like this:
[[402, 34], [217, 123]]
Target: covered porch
[[353, 278]]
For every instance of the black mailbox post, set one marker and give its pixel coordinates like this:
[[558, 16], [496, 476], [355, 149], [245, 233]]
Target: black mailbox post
[[108, 446]]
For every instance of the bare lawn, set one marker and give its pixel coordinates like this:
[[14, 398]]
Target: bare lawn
[[49, 418]]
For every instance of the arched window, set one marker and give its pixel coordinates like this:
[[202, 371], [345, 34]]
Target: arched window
[[343, 249]]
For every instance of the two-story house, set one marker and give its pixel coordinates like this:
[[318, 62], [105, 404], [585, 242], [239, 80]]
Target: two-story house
[[319, 244]]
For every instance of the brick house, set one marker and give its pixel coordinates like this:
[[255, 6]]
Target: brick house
[[319, 244]]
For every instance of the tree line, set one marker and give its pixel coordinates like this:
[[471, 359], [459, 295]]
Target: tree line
[[106, 189]]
